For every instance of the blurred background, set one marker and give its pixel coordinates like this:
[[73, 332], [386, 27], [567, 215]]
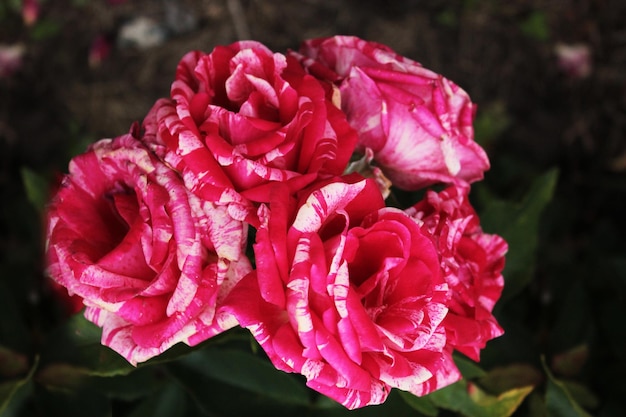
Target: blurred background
[[549, 78]]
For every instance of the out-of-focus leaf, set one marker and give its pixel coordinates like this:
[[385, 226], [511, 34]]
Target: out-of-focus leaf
[[471, 401], [61, 376], [583, 395], [536, 26], [502, 379], [490, 122], [12, 396], [570, 363], [573, 324], [12, 393], [559, 401], [7, 6], [36, 188], [12, 363], [246, 371], [422, 404], [45, 29], [537, 405], [518, 223], [447, 18], [170, 401]]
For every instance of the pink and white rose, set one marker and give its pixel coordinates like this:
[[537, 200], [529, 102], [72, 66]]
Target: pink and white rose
[[243, 117], [418, 123], [472, 264], [151, 260], [348, 293]]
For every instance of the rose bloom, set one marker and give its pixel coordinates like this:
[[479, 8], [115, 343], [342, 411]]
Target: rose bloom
[[151, 261], [243, 117], [472, 262], [349, 294], [418, 123]]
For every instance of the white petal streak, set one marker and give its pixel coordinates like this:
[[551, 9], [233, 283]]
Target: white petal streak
[[323, 202]]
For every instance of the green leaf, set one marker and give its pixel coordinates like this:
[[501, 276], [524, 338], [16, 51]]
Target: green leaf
[[469, 369], [78, 403], [213, 397], [99, 360], [422, 404], [246, 371], [80, 331], [36, 188], [559, 401], [77, 343], [471, 401], [170, 401], [518, 223], [13, 392], [142, 382]]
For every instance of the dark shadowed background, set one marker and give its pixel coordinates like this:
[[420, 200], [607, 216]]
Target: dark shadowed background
[[90, 68]]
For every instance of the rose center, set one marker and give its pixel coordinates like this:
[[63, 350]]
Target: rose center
[[119, 211]]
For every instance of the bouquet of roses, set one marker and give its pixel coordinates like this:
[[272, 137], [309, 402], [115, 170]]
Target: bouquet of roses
[[263, 194]]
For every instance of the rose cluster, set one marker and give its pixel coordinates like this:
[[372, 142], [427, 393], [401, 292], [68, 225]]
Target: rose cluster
[[256, 196]]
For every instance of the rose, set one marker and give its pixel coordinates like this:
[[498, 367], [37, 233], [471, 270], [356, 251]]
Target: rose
[[349, 294], [418, 123], [151, 260], [472, 262], [243, 117]]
